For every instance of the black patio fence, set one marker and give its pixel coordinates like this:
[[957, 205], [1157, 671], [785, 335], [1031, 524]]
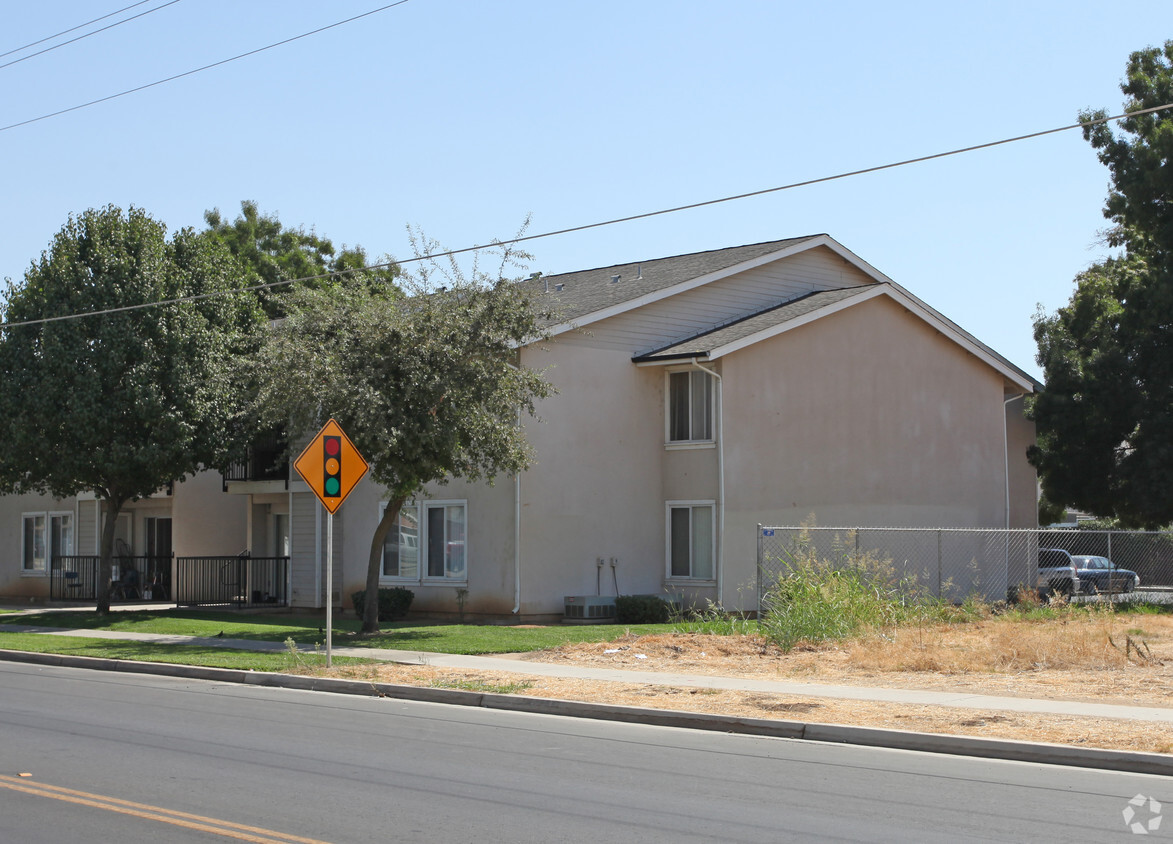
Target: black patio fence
[[240, 581], [75, 578]]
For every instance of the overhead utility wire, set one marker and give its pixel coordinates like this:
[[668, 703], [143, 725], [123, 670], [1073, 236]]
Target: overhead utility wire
[[73, 28], [586, 226], [199, 69], [86, 35]]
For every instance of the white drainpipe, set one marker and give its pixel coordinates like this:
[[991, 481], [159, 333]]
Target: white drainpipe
[[720, 485], [517, 533], [517, 543]]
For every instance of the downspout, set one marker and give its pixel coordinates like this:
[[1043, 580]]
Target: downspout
[[517, 543], [517, 518], [289, 562], [720, 485]]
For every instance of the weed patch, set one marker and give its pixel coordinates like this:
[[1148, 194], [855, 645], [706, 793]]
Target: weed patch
[[484, 686]]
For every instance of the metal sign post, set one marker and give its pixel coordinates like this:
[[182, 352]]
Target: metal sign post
[[332, 467], [329, 590]]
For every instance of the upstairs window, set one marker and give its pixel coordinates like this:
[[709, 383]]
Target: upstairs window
[[690, 407]]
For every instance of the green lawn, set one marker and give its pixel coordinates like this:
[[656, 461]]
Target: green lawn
[[307, 630], [180, 654]]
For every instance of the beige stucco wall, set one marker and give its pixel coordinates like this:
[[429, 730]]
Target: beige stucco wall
[[14, 583], [596, 490], [864, 417], [489, 547], [206, 521]]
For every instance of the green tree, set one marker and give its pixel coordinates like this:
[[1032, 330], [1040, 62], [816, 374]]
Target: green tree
[[1104, 421], [426, 385], [123, 402], [275, 253]]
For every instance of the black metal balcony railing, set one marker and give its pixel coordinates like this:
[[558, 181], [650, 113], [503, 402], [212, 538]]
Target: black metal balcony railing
[[266, 461]]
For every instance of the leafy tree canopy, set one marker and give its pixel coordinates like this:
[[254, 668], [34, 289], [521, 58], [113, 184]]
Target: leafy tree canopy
[[276, 253], [426, 385], [121, 403], [1105, 419]]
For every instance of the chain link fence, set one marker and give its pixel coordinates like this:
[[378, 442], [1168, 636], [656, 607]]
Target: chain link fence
[[956, 563]]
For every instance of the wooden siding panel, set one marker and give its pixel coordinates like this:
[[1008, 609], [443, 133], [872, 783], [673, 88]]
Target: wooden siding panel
[[719, 302], [86, 539], [303, 562]]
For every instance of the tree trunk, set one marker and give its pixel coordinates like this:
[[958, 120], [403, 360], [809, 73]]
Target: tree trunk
[[370, 616], [102, 589]]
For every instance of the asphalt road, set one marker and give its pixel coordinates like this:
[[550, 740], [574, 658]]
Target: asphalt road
[[120, 757]]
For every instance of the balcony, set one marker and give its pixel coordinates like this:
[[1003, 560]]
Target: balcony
[[267, 460]]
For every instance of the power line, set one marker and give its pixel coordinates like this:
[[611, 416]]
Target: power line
[[587, 226], [86, 35], [200, 69], [73, 28]]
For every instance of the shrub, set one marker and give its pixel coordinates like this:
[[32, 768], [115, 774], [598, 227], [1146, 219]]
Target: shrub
[[828, 598], [642, 609], [393, 602]]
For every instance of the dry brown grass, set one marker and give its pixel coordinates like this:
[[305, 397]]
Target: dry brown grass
[[1082, 658]]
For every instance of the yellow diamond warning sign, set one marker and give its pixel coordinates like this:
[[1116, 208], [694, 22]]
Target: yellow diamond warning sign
[[331, 465]]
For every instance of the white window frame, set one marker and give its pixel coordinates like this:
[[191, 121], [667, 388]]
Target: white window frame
[[691, 506], [67, 552], [422, 577], [391, 578], [691, 442], [426, 539], [48, 516], [34, 570]]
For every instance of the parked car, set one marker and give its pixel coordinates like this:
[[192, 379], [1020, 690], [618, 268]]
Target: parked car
[[1057, 573], [1099, 574]]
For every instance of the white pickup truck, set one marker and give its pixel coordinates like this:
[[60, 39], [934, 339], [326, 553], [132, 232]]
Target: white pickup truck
[[1058, 573]]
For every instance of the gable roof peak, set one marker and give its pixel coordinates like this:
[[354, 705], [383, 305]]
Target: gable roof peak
[[577, 294]]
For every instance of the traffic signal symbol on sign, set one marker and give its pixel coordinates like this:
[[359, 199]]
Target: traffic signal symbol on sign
[[331, 466], [332, 454]]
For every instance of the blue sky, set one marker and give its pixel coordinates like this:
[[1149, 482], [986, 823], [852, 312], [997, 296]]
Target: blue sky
[[464, 117]]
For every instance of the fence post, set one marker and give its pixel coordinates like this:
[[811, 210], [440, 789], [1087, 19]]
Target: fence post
[[938, 564], [1109, 545], [759, 570]]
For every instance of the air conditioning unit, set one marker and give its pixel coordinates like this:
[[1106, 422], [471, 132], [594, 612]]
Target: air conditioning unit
[[587, 609]]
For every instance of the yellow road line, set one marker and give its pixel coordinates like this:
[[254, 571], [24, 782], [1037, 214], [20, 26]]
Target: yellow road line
[[240, 832]]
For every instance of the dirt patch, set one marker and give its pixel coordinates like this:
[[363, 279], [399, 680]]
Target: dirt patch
[[1117, 659]]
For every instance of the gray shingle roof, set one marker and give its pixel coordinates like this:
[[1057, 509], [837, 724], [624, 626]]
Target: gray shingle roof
[[587, 291], [705, 342]]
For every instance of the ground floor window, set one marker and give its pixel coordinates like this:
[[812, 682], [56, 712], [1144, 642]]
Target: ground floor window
[[445, 540], [44, 536], [427, 541], [401, 547], [690, 539]]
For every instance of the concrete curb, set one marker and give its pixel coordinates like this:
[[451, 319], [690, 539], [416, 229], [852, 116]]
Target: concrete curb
[[1007, 749]]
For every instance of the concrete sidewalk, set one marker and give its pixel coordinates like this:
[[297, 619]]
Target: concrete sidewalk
[[962, 700]]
